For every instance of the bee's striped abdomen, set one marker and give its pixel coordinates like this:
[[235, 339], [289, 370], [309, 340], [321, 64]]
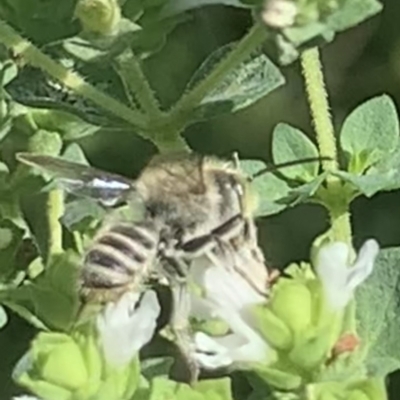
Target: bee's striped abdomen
[[120, 256]]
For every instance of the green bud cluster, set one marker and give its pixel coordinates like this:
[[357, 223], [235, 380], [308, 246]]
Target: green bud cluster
[[299, 326], [98, 16], [72, 367]]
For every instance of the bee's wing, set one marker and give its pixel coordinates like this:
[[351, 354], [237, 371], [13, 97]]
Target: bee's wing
[[81, 180]]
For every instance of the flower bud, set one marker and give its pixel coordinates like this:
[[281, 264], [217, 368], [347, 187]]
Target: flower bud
[[45, 142], [279, 379], [272, 328], [311, 349], [291, 301], [57, 367], [98, 16]]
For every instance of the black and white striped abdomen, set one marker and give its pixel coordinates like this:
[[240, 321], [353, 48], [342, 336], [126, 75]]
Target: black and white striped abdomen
[[120, 256]]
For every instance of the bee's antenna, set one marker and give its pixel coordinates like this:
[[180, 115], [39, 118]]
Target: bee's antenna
[[275, 167]]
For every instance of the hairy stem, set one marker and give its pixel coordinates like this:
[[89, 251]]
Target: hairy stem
[[128, 67], [21, 47], [55, 210], [179, 113], [319, 105]]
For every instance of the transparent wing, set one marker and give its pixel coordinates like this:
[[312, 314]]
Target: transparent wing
[[81, 180]]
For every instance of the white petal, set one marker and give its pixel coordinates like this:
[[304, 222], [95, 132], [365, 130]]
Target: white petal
[[223, 286], [209, 354], [279, 13], [124, 330], [340, 279], [364, 264], [218, 352]]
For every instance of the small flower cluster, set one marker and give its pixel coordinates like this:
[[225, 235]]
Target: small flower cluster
[[290, 339], [92, 363], [287, 341]]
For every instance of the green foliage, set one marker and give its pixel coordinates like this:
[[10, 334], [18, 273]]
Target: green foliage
[[290, 144], [379, 326], [376, 119], [115, 95], [250, 81]]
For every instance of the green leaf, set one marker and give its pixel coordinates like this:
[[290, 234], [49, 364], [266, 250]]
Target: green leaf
[[10, 239], [352, 12], [268, 187], [253, 79], [154, 367], [75, 153], [3, 317], [81, 213], [52, 297], [370, 132], [304, 192], [378, 313], [215, 388], [68, 125], [383, 176], [290, 144]]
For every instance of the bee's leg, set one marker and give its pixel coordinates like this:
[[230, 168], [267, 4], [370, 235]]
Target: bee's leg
[[176, 269], [204, 244], [180, 326]]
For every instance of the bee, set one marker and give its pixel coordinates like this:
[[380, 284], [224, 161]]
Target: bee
[[191, 206]]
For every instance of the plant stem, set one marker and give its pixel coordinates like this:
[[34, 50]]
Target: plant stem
[[162, 133], [21, 47], [55, 210], [254, 38], [319, 105], [128, 67]]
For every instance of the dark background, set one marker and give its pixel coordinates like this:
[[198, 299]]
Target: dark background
[[359, 64]]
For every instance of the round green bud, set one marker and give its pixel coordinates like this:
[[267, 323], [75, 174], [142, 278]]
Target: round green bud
[[291, 301], [272, 328], [98, 16], [279, 379], [311, 349], [45, 142], [59, 360]]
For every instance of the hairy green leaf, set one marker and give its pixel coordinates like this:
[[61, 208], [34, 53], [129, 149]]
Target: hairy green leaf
[[378, 313], [302, 193], [253, 79], [383, 176], [290, 144], [370, 132], [352, 12]]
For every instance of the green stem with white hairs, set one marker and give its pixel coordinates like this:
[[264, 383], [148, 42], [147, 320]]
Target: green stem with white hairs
[[334, 197]]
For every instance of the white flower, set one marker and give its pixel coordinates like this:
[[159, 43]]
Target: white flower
[[339, 279], [227, 295], [125, 327], [279, 13]]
